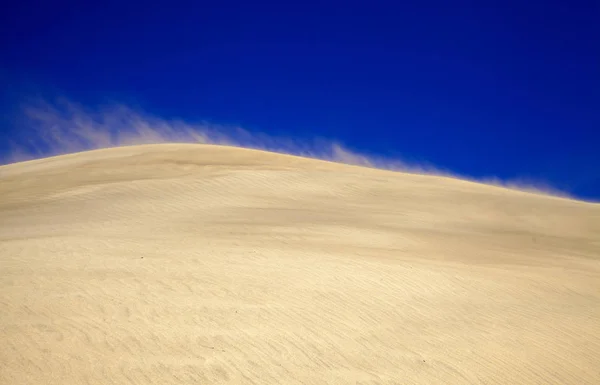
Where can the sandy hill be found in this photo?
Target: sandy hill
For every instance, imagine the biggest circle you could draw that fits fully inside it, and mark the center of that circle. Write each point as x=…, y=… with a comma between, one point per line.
x=196, y=264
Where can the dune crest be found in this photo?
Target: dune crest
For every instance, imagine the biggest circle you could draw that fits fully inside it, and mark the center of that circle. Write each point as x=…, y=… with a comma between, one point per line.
x=203, y=264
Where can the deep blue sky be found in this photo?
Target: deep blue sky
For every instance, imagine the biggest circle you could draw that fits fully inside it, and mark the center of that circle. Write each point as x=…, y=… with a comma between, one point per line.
x=507, y=88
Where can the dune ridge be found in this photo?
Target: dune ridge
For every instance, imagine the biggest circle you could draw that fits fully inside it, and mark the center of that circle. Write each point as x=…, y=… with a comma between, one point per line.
x=50, y=127
x=192, y=263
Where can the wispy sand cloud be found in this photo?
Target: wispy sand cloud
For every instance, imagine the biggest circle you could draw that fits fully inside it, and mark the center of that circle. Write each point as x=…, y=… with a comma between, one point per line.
x=63, y=126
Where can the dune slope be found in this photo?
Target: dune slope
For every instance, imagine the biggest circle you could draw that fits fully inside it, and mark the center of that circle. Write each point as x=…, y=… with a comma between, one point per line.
x=197, y=264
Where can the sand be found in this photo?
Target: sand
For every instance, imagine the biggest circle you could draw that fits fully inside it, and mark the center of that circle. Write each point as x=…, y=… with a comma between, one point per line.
x=199, y=264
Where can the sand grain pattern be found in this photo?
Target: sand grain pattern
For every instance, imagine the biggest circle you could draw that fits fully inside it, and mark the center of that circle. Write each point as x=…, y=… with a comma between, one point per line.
x=199, y=264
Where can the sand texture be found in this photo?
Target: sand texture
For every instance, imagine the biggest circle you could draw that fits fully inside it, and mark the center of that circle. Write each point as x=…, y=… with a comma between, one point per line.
x=199, y=264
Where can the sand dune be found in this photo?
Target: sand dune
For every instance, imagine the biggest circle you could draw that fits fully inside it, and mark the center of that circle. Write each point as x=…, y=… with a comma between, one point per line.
x=198, y=264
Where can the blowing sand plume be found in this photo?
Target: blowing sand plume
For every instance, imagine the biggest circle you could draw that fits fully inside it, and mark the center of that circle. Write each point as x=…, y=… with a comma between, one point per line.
x=200, y=264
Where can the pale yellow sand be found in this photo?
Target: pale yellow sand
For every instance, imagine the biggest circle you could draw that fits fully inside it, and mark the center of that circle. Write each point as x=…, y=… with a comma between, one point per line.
x=193, y=264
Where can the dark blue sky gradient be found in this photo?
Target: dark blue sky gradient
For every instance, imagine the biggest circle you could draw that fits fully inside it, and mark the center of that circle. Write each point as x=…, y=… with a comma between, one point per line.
x=508, y=88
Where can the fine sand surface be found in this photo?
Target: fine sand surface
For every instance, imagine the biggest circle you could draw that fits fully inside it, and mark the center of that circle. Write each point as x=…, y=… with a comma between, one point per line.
x=198, y=264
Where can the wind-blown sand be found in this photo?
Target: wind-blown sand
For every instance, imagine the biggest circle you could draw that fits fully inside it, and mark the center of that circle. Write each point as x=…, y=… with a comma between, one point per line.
x=199, y=264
